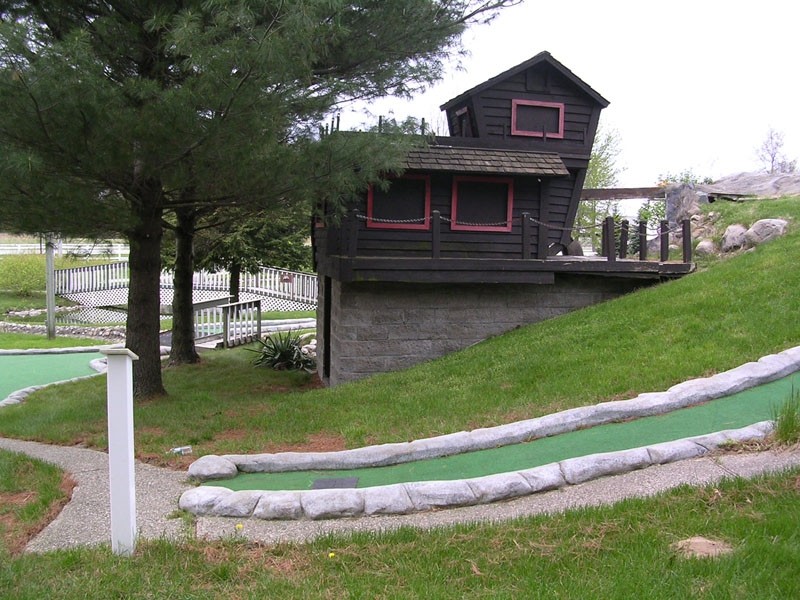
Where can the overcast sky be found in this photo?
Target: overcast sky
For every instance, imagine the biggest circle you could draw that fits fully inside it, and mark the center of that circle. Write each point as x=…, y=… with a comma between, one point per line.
x=692, y=84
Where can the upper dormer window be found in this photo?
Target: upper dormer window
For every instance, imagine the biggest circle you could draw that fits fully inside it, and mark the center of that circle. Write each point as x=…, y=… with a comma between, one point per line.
x=537, y=119
x=463, y=122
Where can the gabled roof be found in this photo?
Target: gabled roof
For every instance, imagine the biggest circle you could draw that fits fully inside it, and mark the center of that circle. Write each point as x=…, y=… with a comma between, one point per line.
x=484, y=160
x=542, y=57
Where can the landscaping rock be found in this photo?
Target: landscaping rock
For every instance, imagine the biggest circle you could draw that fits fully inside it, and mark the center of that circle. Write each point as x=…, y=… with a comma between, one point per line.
x=438, y=494
x=501, y=486
x=212, y=466
x=387, y=500
x=733, y=238
x=705, y=248
x=765, y=230
x=278, y=505
x=544, y=478
x=668, y=452
x=238, y=504
x=332, y=504
x=203, y=500
x=584, y=468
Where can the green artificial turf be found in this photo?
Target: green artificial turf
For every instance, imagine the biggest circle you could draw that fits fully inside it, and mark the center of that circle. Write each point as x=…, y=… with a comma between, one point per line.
x=19, y=371
x=735, y=411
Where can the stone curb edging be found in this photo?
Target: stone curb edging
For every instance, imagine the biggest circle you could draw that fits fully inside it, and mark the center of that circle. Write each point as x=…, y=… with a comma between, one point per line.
x=404, y=498
x=688, y=393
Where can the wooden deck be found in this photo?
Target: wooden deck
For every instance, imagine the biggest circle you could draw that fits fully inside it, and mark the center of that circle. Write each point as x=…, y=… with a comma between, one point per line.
x=469, y=270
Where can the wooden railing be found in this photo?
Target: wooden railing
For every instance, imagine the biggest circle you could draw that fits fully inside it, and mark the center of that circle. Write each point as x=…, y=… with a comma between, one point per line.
x=609, y=240
x=238, y=323
x=534, y=239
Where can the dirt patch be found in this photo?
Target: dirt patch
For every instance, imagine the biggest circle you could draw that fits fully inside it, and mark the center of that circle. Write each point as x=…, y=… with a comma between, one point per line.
x=16, y=535
x=701, y=547
x=315, y=442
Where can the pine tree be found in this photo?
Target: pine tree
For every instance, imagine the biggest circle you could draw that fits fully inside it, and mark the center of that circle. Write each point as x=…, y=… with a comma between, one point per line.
x=118, y=114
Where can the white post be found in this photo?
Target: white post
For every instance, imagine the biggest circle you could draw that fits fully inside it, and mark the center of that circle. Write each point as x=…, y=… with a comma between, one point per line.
x=50, y=287
x=121, y=476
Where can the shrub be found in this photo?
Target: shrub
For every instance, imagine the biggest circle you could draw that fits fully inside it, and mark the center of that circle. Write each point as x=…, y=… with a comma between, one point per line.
x=284, y=352
x=22, y=273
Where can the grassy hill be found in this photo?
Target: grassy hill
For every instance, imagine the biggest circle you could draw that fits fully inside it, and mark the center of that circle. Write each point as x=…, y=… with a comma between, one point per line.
x=729, y=312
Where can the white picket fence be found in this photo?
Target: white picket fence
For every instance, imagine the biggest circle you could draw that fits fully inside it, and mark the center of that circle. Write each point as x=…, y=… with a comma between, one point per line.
x=87, y=250
x=279, y=284
x=238, y=323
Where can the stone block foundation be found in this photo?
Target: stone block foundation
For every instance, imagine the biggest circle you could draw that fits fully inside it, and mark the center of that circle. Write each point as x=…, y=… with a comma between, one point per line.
x=366, y=328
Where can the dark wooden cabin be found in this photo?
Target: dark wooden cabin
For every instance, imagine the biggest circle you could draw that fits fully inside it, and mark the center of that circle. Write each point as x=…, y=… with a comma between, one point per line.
x=490, y=206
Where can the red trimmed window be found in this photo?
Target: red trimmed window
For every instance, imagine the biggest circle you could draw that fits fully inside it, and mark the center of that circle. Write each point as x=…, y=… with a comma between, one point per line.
x=537, y=119
x=482, y=203
x=406, y=204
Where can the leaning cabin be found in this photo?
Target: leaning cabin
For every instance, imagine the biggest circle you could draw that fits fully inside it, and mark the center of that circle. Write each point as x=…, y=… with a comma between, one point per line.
x=475, y=238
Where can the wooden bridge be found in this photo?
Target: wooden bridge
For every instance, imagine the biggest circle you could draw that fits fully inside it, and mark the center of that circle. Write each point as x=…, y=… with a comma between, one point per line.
x=107, y=285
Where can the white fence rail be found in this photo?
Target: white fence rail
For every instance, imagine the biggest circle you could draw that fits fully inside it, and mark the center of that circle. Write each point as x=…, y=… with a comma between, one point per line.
x=92, y=251
x=275, y=283
x=238, y=323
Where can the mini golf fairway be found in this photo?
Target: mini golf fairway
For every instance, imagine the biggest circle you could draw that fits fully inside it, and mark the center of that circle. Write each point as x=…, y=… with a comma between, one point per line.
x=732, y=412
x=18, y=371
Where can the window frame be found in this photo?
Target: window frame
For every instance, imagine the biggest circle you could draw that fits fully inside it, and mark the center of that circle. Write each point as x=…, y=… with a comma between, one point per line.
x=559, y=135
x=425, y=225
x=508, y=181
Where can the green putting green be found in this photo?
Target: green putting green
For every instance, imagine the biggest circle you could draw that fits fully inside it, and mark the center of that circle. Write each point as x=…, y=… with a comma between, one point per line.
x=732, y=412
x=18, y=371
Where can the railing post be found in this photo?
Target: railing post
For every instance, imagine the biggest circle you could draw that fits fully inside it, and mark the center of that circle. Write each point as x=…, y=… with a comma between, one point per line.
x=642, y=240
x=436, y=234
x=623, y=239
x=664, y=239
x=225, y=326
x=541, y=241
x=608, y=240
x=526, y=235
x=687, y=240
x=352, y=237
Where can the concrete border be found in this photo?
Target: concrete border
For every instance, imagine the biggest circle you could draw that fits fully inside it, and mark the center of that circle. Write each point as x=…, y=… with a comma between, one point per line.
x=422, y=496
x=405, y=498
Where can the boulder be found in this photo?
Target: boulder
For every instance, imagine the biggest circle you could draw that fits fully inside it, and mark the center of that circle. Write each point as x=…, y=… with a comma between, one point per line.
x=734, y=238
x=212, y=466
x=705, y=248
x=765, y=230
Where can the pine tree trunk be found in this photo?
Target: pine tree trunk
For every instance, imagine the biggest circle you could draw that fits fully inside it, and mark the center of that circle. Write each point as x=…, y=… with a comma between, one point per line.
x=236, y=272
x=144, y=299
x=183, y=349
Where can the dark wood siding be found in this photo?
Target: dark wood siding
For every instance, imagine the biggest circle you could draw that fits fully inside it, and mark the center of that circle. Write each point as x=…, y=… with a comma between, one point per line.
x=403, y=243
x=492, y=111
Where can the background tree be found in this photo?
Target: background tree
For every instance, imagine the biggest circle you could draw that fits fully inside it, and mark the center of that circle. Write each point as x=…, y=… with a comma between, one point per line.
x=603, y=172
x=770, y=153
x=117, y=114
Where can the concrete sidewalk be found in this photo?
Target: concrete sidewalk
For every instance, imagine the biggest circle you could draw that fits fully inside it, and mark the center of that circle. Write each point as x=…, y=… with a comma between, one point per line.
x=85, y=519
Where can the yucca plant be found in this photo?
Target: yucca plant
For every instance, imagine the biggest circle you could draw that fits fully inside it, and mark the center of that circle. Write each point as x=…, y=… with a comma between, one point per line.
x=284, y=352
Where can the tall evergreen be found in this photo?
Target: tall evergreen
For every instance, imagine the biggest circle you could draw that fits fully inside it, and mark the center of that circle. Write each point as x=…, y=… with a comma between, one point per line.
x=120, y=113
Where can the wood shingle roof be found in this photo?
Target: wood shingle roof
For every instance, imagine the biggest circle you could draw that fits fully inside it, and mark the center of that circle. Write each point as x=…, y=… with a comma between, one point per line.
x=485, y=161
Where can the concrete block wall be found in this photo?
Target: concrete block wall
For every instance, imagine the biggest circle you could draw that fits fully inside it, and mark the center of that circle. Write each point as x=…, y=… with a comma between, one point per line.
x=378, y=327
